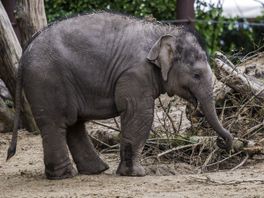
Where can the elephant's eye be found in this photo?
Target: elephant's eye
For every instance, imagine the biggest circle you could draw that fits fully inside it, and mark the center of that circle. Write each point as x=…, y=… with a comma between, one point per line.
x=196, y=76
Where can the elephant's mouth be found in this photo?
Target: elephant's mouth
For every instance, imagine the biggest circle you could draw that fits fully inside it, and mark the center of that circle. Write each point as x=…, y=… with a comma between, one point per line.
x=192, y=99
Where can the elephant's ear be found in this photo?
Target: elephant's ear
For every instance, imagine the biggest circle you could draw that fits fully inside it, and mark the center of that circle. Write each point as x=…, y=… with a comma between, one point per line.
x=161, y=54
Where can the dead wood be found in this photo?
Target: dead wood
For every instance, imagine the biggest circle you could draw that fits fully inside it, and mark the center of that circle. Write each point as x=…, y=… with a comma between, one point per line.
x=236, y=79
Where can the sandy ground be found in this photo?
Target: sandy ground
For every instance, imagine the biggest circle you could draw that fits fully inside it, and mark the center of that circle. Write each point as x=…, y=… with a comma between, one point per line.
x=23, y=176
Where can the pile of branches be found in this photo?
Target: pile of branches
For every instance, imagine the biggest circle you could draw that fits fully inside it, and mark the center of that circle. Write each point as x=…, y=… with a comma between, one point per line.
x=181, y=134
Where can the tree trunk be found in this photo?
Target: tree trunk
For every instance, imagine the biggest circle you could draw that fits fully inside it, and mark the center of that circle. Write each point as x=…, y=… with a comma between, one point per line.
x=31, y=18
x=10, y=6
x=11, y=51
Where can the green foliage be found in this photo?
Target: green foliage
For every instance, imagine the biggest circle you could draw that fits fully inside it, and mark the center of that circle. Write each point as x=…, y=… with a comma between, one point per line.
x=220, y=33
x=205, y=14
x=233, y=35
x=160, y=9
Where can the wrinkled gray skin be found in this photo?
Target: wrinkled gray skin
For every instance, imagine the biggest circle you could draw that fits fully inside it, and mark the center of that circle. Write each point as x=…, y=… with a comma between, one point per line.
x=102, y=65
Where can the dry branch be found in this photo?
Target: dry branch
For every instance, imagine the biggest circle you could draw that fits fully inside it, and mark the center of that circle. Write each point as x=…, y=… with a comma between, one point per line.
x=241, y=163
x=177, y=148
x=236, y=79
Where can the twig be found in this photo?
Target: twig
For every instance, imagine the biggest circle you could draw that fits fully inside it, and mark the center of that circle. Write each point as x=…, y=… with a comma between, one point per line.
x=180, y=123
x=222, y=113
x=100, y=141
x=209, y=158
x=104, y=125
x=241, y=164
x=255, y=132
x=162, y=124
x=208, y=180
x=117, y=124
x=179, y=137
x=168, y=115
x=110, y=148
x=241, y=110
x=251, y=130
x=249, y=55
x=219, y=162
x=177, y=148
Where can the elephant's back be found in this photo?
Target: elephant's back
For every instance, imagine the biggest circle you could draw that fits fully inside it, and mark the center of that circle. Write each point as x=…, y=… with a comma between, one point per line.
x=94, y=48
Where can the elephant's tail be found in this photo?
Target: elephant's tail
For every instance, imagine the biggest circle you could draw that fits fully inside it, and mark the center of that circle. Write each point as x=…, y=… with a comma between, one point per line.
x=12, y=147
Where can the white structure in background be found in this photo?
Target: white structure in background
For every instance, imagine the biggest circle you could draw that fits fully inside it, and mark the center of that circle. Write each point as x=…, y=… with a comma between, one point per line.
x=241, y=8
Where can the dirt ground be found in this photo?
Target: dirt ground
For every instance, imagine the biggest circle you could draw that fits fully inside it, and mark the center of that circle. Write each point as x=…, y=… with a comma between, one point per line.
x=23, y=176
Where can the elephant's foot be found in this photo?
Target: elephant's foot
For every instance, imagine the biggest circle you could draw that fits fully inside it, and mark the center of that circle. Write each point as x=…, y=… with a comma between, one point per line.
x=135, y=170
x=93, y=167
x=61, y=173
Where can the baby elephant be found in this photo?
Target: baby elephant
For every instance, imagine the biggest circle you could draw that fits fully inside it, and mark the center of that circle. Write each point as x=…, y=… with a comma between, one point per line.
x=102, y=65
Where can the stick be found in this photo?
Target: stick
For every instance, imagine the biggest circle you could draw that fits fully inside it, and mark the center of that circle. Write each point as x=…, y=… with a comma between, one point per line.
x=242, y=163
x=251, y=130
x=208, y=159
x=168, y=115
x=215, y=163
x=176, y=149
x=179, y=126
x=100, y=141
x=117, y=124
x=104, y=125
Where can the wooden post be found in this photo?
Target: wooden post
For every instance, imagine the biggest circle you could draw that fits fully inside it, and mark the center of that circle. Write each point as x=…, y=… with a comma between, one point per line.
x=10, y=51
x=31, y=18
x=185, y=12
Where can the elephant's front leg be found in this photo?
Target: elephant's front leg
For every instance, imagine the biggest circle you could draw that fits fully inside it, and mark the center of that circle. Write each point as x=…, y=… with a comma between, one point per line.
x=136, y=122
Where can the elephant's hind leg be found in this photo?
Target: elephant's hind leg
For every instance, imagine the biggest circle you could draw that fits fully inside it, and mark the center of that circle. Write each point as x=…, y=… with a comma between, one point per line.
x=56, y=156
x=83, y=152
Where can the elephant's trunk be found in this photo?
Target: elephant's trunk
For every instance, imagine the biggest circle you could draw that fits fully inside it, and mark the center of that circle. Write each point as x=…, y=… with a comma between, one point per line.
x=208, y=108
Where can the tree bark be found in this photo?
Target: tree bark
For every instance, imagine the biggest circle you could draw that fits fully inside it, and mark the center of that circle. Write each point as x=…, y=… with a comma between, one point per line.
x=31, y=18
x=9, y=6
x=11, y=52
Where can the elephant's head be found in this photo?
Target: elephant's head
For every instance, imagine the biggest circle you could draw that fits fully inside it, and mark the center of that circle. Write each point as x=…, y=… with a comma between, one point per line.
x=185, y=72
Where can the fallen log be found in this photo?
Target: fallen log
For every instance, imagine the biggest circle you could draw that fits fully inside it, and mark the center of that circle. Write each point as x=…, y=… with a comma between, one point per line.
x=235, y=78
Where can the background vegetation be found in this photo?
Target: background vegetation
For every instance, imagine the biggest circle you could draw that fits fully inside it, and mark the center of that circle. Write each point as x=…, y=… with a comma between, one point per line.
x=231, y=35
